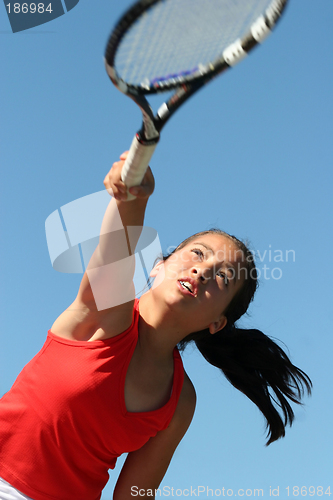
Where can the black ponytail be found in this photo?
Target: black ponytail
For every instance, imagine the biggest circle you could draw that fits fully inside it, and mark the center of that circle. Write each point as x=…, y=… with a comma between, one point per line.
x=255, y=365
x=251, y=361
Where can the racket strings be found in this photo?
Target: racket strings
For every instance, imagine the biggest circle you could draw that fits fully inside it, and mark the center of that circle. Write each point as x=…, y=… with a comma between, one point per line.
x=177, y=36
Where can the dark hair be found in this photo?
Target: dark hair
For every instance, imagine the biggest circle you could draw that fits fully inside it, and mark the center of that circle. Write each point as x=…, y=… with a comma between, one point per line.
x=250, y=360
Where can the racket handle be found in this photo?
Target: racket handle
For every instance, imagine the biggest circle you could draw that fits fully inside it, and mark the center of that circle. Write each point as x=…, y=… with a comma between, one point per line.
x=136, y=164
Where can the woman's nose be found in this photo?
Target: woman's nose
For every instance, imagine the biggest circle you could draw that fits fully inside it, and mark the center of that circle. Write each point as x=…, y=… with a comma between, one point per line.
x=200, y=274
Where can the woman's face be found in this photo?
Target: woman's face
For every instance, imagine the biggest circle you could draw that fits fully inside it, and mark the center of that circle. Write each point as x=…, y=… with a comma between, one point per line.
x=200, y=280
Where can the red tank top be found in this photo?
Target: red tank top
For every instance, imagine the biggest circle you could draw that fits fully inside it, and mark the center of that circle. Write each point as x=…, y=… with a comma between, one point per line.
x=64, y=422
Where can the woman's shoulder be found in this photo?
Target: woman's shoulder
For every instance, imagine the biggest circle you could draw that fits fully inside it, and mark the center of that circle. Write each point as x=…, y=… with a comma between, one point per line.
x=188, y=388
x=187, y=400
x=184, y=412
x=79, y=322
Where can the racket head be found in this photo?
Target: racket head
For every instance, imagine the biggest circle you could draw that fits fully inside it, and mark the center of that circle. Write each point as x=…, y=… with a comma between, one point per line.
x=160, y=45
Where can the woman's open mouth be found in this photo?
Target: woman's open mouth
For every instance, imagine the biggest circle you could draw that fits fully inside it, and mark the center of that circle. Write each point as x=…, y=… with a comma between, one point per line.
x=188, y=286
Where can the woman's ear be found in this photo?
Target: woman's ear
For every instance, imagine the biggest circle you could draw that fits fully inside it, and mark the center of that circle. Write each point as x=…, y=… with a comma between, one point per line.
x=156, y=269
x=218, y=325
x=158, y=273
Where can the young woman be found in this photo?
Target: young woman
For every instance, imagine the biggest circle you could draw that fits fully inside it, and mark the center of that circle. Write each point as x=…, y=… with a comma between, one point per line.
x=110, y=380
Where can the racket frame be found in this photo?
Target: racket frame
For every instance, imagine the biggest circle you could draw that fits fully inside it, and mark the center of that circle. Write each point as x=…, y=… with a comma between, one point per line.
x=185, y=85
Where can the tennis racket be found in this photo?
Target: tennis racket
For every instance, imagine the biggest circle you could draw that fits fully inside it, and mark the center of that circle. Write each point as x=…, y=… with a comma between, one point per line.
x=164, y=45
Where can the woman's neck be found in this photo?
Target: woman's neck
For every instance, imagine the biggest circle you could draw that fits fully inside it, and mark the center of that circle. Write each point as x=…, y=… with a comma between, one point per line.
x=159, y=330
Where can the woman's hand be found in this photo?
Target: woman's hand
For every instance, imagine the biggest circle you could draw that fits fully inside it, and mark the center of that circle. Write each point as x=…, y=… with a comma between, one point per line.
x=117, y=188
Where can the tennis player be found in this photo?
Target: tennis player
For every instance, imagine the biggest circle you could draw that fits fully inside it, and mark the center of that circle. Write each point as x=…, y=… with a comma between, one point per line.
x=111, y=381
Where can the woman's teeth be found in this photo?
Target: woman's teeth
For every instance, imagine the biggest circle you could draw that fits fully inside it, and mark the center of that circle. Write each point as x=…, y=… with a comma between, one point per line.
x=187, y=285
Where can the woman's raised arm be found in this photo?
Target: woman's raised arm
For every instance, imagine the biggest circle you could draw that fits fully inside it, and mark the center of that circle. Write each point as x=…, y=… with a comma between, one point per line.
x=104, y=304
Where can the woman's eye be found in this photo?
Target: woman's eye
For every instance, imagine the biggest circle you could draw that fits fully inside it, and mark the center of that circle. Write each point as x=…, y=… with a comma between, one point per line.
x=197, y=251
x=224, y=277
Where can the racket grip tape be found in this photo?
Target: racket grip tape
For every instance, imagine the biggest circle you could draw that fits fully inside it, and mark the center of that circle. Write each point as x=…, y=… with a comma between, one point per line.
x=136, y=164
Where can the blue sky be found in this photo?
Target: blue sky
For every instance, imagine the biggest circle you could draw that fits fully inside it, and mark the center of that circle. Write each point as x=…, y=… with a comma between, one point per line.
x=251, y=155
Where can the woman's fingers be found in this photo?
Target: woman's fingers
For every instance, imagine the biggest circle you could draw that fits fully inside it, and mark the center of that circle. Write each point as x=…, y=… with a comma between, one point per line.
x=124, y=155
x=118, y=189
x=146, y=187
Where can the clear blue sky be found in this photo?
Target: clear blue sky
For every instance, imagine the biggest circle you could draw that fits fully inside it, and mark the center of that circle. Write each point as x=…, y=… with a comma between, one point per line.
x=253, y=155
